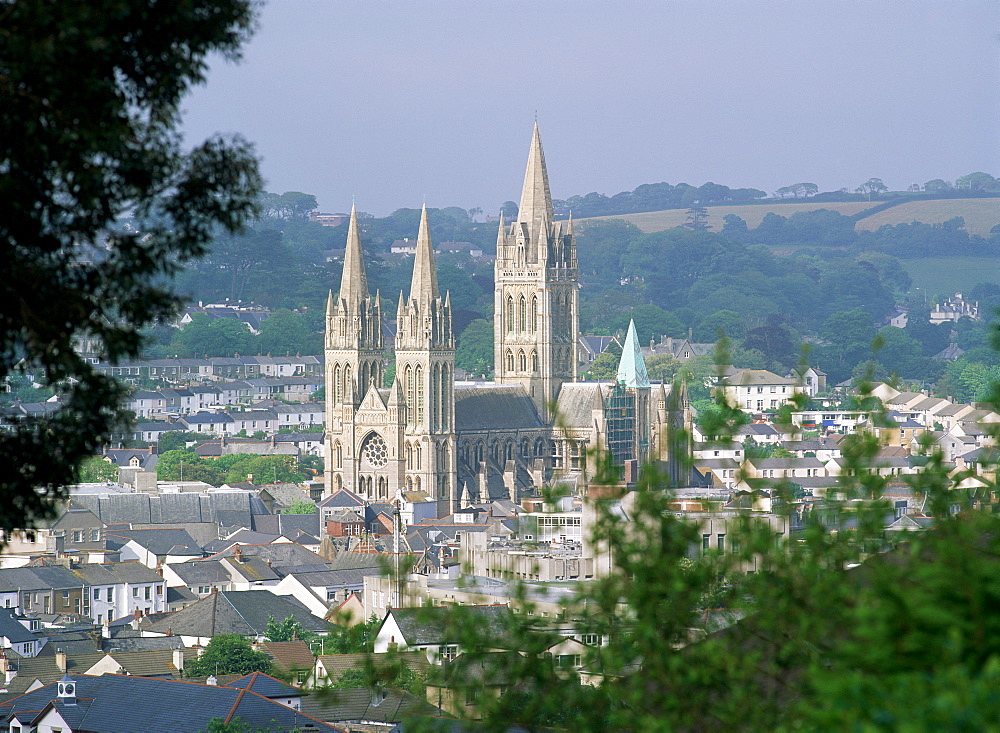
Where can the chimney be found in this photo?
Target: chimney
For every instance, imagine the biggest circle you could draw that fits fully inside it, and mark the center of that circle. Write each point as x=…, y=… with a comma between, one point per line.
x=212, y=680
x=106, y=629
x=61, y=660
x=136, y=615
x=178, y=659
x=237, y=553
x=670, y=343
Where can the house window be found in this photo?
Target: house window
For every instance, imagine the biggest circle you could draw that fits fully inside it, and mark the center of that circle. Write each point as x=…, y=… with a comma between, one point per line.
x=448, y=652
x=97, y=594
x=135, y=592
x=721, y=542
x=111, y=595
x=706, y=540
x=95, y=535
x=592, y=639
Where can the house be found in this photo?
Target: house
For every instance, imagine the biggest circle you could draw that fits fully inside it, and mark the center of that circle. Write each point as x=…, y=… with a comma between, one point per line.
x=329, y=668
x=591, y=347
x=757, y=390
x=434, y=631
x=17, y=634
x=319, y=590
x=200, y=578
x=155, y=547
x=681, y=349
x=242, y=612
x=812, y=380
x=954, y=309
x=270, y=687
x=112, y=703
x=292, y=659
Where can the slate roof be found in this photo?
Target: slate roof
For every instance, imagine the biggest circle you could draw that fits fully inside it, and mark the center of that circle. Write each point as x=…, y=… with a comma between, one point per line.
x=289, y=655
x=358, y=705
x=177, y=508
x=484, y=407
x=201, y=571
x=342, y=498
x=166, y=541
x=12, y=629
x=266, y=685
x=577, y=401
x=421, y=626
x=114, y=703
x=754, y=377
x=336, y=664
x=243, y=612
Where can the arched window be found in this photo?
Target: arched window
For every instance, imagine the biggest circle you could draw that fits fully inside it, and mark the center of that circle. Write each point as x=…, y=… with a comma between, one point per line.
x=348, y=385
x=510, y=360
x=534, y=314
x=522, y=319
x=338, y=482
x=408, y=453
x=418, y=376
x=408, y=382
x=338, y=455
x=534, y=360
x=436, y=397
x=522, y=362
x=510, y=314
x=417, y=463
x=525, y=447
x=445, y=401
x=338, y=386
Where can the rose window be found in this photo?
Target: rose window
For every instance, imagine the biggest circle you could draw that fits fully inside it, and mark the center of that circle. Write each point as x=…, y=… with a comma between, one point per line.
x=374, y=451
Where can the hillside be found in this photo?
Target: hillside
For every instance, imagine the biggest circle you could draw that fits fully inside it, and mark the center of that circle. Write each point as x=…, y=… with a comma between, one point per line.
x=980, y=214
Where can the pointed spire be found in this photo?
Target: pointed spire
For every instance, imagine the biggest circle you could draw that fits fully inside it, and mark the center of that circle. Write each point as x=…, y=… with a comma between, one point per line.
x=424, y=286
x=632, y=367
x=354, y=283
x=569, y=226
x=329, y=304
x=536, y=200
x=501, y=234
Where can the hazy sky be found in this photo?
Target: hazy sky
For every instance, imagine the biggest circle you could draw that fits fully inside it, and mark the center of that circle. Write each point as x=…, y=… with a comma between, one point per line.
x=393, y=103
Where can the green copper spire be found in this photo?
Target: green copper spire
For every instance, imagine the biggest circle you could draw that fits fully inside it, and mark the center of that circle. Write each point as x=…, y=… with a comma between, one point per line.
x=632, y=367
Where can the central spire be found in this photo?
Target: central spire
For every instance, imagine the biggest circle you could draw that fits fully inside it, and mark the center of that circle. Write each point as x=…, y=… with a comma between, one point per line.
x=425, y=285
x=354, y=283
x=536, y=200
x=632, y=367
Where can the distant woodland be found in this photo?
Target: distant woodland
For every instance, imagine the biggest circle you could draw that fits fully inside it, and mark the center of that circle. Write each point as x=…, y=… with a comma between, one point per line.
x=804, y=286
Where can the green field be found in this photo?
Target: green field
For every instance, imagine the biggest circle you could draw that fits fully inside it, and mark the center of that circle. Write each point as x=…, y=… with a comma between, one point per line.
x=950, y=275
x=980, y=214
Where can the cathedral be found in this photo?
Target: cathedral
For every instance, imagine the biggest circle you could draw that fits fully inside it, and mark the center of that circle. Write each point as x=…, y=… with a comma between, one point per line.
x=430, y=438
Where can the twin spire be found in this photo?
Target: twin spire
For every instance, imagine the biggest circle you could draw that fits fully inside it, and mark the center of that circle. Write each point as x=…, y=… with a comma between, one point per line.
x=424, y=286
x=354, y=281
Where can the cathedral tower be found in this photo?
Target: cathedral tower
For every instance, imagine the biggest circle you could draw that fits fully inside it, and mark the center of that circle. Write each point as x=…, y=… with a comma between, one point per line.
x=354, y=352
x=425, y=378
x=536, y=301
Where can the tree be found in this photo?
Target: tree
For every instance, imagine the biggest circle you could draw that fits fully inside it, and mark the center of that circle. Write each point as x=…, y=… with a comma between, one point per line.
x=509, y=210
x=228, y=654
x=937, y=185
x=873, y=186
x=285, y=332
x=474, y=351
x=977, y=181
x=301, y=506
x=287, y=630
x=697, y=219
x=97, y=470
x=100, y=203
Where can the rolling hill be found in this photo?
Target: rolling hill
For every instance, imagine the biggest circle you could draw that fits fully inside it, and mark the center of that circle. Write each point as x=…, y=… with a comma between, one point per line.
x=980, y=214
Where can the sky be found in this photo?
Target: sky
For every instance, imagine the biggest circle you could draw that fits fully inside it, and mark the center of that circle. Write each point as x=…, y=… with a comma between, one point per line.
x=395, y=103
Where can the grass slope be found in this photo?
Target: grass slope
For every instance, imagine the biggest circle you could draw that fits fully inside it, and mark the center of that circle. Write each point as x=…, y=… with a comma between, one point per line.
x=753, y=214
x=980, y=214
